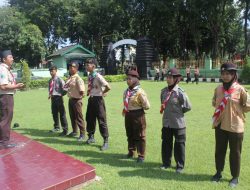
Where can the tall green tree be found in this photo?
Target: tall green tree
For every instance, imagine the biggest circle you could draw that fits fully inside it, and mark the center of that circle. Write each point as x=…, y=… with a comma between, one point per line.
x=24, y=38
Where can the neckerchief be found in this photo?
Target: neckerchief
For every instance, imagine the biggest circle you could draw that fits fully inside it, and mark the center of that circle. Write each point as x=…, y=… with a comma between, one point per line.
x=129, y=93
x=91, y=78
x=51, y=86
x=221, y=107
x=164, y=104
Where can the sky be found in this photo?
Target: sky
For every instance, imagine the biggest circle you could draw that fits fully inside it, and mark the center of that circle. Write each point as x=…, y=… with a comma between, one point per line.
x=3, y=2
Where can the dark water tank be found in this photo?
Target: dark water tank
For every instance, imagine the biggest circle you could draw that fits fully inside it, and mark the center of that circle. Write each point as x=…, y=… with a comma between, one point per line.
x=145, y=55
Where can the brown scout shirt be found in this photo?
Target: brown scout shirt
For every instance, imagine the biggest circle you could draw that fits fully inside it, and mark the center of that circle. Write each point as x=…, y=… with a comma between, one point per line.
x=98, y=83
x=138, y=101
x=232, y=119
x=76, y=85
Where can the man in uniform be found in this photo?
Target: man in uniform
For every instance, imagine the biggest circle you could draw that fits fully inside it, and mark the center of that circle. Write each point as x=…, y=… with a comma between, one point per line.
x=97, y=88
x=57, y=106
x=75, y=87
x=8, y=87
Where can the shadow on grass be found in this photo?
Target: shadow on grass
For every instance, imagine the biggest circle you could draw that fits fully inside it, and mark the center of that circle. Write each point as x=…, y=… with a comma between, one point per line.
x=147, y=169
x=130, y=167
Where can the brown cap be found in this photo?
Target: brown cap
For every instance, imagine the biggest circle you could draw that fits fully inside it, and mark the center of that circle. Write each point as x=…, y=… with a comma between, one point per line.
x=133, y=73
x=228, y=67
x=173, y=72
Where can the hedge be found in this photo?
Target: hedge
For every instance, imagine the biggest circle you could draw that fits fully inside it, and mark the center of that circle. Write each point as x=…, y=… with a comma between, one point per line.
x=43, y=83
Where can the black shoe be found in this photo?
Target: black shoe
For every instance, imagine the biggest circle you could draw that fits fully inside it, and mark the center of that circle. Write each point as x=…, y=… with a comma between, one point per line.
x=164, y=167
x=62, y=134
x=129, y=155
x=72, y=134
x=7, y=145
x=140, y=159
x=81, y=137
x=105, y=146
x=54, y=130
x=233, y=182
x=90, y=140
x=216, y=177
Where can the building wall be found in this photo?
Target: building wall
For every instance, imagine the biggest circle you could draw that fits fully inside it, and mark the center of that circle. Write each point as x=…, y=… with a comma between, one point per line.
x=60, y=62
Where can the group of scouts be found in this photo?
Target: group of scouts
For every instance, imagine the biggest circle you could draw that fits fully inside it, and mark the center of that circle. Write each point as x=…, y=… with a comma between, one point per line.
x=75, y=89
x=230, y=100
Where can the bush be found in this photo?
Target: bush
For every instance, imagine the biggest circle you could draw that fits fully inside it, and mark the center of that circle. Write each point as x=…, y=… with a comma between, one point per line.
x=25, y=74
x=246, y=72
x=43, y=83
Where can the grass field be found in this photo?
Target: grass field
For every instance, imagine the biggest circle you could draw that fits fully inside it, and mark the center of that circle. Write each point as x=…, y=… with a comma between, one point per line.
x=32, y=112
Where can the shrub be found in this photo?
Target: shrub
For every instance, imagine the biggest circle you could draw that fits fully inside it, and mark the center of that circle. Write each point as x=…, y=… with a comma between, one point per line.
x=25, y=74
x=246, y=72
x=43, y=83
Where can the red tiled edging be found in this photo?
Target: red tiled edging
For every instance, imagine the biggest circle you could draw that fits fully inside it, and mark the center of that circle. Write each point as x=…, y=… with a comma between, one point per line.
x=34, y=166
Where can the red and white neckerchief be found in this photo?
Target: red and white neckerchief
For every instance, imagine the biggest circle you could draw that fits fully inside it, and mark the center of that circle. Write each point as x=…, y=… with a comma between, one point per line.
x=129, y=93
x=91, y=78
x=164, y=104
x=51, y=86
x=221, y=107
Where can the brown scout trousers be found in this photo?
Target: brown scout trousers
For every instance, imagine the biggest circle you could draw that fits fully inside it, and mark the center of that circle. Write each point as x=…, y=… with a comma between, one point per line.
x=76, y=117
x=222, y=138
x=6, y=115
x=135, y=124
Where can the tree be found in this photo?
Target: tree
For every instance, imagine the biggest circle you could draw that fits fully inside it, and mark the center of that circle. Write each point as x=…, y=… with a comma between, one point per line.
x=18, y=34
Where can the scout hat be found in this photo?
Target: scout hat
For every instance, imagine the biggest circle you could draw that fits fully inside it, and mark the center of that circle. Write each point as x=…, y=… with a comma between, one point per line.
x=228, y=67
x=173, y=72
x=133, y=73
x=5, y=53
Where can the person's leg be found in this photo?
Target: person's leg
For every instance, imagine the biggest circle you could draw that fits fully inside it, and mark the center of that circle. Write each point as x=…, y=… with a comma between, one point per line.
x=6, y=115
x=129, y=133
x=221, y=141
x=167, y=146
x=235, y=144
x=79, y=118
x=54, y=110
x=63, y=118
x=91, y=120
x=72, y=117
x=179, y=148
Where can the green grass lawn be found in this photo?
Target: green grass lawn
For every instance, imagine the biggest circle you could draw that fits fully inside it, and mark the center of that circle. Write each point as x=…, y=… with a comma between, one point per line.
x=32, y=112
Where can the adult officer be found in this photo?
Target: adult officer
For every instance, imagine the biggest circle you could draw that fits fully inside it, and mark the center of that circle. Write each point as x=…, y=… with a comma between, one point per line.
x=76, y=89
x=8, y=87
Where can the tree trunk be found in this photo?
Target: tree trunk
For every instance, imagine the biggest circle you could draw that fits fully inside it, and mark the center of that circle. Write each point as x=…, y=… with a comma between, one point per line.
x=245, y=26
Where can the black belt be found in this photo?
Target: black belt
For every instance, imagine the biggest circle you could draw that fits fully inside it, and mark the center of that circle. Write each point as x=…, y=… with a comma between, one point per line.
x=6, y=94
x=139, y=110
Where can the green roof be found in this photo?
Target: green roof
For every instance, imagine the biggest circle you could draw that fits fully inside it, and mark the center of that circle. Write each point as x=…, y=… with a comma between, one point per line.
x=68, y=49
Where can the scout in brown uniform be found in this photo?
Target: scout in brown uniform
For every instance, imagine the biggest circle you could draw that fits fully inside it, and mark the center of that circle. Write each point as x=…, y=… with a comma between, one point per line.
x=8, y=87
x=75, y=87
x=231, y=101
x=97, y=88
x=135, y=102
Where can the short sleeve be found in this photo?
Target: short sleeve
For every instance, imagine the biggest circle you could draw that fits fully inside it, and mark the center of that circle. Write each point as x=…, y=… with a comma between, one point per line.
x=3, y=77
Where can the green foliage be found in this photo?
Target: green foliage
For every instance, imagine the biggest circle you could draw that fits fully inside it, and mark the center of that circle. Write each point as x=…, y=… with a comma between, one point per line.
x=43, y=83
x=22, y=37
x=40, y=83
x=115, y=78
x=26, y=74
x=245, y=75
